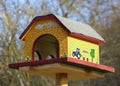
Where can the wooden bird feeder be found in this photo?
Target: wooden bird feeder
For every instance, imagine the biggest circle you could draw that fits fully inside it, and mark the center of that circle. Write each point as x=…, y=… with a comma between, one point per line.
x=60, y=48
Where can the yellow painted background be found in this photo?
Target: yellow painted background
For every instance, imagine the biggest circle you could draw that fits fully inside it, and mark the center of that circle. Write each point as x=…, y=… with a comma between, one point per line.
x=74, y=43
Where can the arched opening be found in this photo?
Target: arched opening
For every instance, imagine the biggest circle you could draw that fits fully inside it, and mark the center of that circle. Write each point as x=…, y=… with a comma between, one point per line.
x=46, y=47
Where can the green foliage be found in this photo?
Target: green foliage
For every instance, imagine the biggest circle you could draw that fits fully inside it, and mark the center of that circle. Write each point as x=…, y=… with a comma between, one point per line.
x=92, y=53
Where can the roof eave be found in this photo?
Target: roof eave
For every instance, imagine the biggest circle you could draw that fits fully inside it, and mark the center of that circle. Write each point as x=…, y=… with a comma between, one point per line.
x=87, y=38
x=22, y=36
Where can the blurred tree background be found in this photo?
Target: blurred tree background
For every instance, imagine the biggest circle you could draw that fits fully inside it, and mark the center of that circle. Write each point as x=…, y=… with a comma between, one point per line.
x=15, y=15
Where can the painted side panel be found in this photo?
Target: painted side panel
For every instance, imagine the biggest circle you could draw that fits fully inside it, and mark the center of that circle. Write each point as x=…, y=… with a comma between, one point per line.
x=39, y=28
x=88, y=51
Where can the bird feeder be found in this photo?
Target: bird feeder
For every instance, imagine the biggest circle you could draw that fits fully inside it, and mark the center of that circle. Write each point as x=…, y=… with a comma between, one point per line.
x=61, y=48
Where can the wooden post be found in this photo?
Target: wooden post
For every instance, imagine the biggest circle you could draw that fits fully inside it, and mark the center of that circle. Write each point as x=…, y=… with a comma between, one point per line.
x=61, y=79
x=28, y=79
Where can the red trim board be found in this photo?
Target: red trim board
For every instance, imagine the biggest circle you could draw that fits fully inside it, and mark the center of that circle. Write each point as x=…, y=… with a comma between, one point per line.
x=87, y=38
x=69, y=61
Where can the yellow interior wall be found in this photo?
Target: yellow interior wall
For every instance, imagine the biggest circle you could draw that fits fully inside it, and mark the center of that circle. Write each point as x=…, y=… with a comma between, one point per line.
x=57, y=31
x=85, y=48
